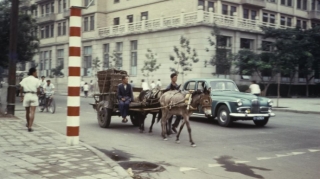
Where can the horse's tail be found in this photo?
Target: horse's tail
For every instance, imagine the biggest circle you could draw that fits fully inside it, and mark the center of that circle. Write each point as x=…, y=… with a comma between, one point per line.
x=159, y=116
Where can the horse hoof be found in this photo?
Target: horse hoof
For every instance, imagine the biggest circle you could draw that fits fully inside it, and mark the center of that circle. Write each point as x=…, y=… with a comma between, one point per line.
x=193, y=145
x=178, y=141
x=165, y=139
x=150, y=131
x=141, y=131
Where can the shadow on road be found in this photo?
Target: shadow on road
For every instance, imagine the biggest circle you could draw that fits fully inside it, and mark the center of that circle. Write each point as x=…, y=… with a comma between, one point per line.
x=231, y=166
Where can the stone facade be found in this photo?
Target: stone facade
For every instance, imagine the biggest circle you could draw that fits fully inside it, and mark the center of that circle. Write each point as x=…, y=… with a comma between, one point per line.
x=158, y=25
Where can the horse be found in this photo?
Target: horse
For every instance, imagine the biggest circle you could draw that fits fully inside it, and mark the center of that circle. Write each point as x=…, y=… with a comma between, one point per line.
x=174, y=103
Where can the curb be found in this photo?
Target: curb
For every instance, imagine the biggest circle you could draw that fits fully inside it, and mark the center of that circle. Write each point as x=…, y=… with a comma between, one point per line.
x=114, y=165
x=296, y=111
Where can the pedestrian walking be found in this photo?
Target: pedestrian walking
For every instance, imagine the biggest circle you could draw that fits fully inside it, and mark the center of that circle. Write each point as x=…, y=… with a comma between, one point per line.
x=82, y=84
x=153, y=85
x=29, y=89
x=91, y=86
x=131, y=83
x=144, y=85
x=125, y=97
x=86, y=89
x=159, y=84
x=254, y=88
x=174, y=86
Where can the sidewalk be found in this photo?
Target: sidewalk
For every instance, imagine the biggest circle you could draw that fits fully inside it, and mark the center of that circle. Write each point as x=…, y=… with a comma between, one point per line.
x=44, y=154
x=299, y=105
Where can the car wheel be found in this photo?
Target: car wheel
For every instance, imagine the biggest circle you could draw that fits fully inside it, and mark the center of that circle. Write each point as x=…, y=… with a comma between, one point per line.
x=224, y=118
x=262, y=122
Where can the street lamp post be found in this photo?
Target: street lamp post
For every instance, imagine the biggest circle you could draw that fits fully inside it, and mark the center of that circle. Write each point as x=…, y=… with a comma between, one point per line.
x=12, y=56
x=74, y=75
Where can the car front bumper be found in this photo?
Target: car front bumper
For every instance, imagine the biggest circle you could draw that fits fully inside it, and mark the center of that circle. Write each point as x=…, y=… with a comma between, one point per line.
x=251, y=115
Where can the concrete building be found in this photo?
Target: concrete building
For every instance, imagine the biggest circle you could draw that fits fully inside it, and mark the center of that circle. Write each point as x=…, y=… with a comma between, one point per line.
x=127, y=28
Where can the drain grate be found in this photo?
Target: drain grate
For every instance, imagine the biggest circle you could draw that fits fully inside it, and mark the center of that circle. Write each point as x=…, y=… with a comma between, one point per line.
x=141, y=166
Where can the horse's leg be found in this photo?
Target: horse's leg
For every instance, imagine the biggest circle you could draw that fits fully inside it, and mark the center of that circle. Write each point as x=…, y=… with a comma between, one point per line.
x=178, y=135
x=163, y=124
x=141, y=122
x=169, y=125
x=189, y=130
x=152, y=122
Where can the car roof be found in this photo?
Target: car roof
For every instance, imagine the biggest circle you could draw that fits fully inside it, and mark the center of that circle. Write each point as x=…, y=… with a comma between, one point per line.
x=209, y=79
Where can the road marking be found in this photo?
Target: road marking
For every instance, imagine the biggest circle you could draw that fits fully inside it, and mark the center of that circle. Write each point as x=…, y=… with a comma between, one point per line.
x=214, y=165
x=297, y=153
x=313, y=150
x=264, y=158
x=283, y=155
x=182, y=169
x=241, y=161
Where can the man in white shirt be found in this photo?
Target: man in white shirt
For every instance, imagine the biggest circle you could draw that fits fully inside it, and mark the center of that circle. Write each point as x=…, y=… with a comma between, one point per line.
x=42, y=81
x=152, y=85
x=255, y=88
x=49, y=92
x=159, y=85
x=29, y=89
x=144, y=85
x=82, y=84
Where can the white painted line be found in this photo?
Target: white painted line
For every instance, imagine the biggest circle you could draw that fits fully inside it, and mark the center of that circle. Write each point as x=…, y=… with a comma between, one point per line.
x=214, y=165
x=297, y=153
x=182, y=169
x=241, y=161
x=313, y=150
x=283, y=155
x=264, y=158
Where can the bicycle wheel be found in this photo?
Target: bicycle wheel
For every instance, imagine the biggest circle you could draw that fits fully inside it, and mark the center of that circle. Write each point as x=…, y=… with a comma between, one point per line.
x=41, y=105
x=52, y=107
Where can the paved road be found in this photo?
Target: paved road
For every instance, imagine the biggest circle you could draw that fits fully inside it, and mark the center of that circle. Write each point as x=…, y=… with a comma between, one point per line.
x=288, y=147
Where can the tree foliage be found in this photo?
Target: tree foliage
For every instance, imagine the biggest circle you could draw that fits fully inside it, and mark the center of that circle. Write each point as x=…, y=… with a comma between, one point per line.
x=184, y=57
x=150, y=65
x=116, y=60
x=27, y=44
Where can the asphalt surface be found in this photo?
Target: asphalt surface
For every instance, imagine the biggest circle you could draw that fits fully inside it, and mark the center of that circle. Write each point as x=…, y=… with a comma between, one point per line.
x=288, y=147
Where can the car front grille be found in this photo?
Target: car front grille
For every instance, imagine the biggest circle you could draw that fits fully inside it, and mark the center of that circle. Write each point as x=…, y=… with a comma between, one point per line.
x=255, y=107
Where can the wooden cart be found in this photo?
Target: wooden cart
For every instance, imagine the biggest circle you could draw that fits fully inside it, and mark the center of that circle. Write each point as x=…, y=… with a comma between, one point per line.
x=106, y=102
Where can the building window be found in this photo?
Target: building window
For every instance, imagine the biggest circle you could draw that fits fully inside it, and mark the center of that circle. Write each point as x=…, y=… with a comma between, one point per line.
x=119, y=48
x=116, y=21
x=283, y=20
x=64, y=4
x=42, y=32
x=59, y=29
x=91, y=22
x=283, y=2
x=265, y=17
x=223, y=41
x=253, y=15
x=246, y=43
x=116, y=1
x=52, y=7
x=224, y=9
x=133, y=57
x=246, y=13
x=210, y=5
x=59, y=6
x=87, y=61
x=130, y=18
x=233, y=10
x=64, y=28
x=106, y=62
x=304, y=24
x=52, y=30
x=286, y=2
x=47, y=8
x=289, y=2
x=272, y=18
x=47, y=31
x=86, y=2
x=60, y=58
x=299, y=4
x=266, y=46
x=201, y=3
x=299, y=23
x=144, y=14
x=304, y=4
x=42, y=10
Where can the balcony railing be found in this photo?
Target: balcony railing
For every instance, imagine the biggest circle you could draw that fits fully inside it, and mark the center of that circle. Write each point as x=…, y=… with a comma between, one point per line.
x=187, y=19
x=66, y=13
x=46, y=18
x=256, y=3
x=39, y=1
x=314, y=14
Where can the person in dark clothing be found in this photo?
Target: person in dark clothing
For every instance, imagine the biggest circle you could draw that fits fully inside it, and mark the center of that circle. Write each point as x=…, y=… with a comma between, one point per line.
x=174, y=86
x=125, y=96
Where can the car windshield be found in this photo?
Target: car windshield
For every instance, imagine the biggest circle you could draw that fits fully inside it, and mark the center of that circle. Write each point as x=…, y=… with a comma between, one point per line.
x=223, y=86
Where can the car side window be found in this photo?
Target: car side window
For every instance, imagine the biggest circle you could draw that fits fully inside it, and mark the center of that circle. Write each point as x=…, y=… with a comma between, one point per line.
x=191, y=85
x=201, y=85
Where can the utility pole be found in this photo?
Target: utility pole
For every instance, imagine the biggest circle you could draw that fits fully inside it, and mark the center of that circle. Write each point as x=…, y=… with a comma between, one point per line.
x=13, y=56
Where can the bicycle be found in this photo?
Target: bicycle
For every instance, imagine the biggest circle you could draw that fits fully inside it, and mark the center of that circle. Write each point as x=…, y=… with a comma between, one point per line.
x=43, y=100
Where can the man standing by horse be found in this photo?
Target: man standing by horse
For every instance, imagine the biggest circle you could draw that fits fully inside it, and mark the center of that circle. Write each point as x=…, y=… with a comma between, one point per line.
x=174, y=86
x=125, y=96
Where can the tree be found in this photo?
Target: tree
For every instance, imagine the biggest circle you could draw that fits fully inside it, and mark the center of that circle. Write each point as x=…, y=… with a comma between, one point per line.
x=57, y=72
x=150, y=65
x=184, y=55
x=222, y=57
x=116, y=60
x=28, y=42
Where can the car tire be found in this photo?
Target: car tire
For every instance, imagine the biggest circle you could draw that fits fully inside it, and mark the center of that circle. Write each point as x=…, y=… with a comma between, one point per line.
x=261, y=123
x=223, y=116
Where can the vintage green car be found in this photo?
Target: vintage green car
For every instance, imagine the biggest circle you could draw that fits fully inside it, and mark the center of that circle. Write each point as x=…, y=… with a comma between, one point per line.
x=229, y=104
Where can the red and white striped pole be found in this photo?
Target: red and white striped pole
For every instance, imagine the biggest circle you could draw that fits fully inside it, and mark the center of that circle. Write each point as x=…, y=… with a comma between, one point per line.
x=74, y=66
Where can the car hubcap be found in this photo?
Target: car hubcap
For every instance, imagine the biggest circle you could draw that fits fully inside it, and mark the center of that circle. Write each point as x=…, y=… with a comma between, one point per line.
x=223, y=116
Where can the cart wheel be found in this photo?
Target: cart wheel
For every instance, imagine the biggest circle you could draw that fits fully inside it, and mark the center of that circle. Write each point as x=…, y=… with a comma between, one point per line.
x=104, y=117
x=135, y=118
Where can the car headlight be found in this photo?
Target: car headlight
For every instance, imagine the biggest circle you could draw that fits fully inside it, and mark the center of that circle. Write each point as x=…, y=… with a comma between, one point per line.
x=239, y=102
x=270, y=102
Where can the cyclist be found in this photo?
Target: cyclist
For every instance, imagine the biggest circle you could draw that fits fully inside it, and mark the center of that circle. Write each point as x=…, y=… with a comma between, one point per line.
x=49, y=91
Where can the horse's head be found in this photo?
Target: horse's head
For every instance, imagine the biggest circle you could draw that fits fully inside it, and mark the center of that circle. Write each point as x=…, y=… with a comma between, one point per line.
x=203, y=99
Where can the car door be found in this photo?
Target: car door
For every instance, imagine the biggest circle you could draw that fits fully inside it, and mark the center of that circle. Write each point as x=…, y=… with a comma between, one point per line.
x=190, y=85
